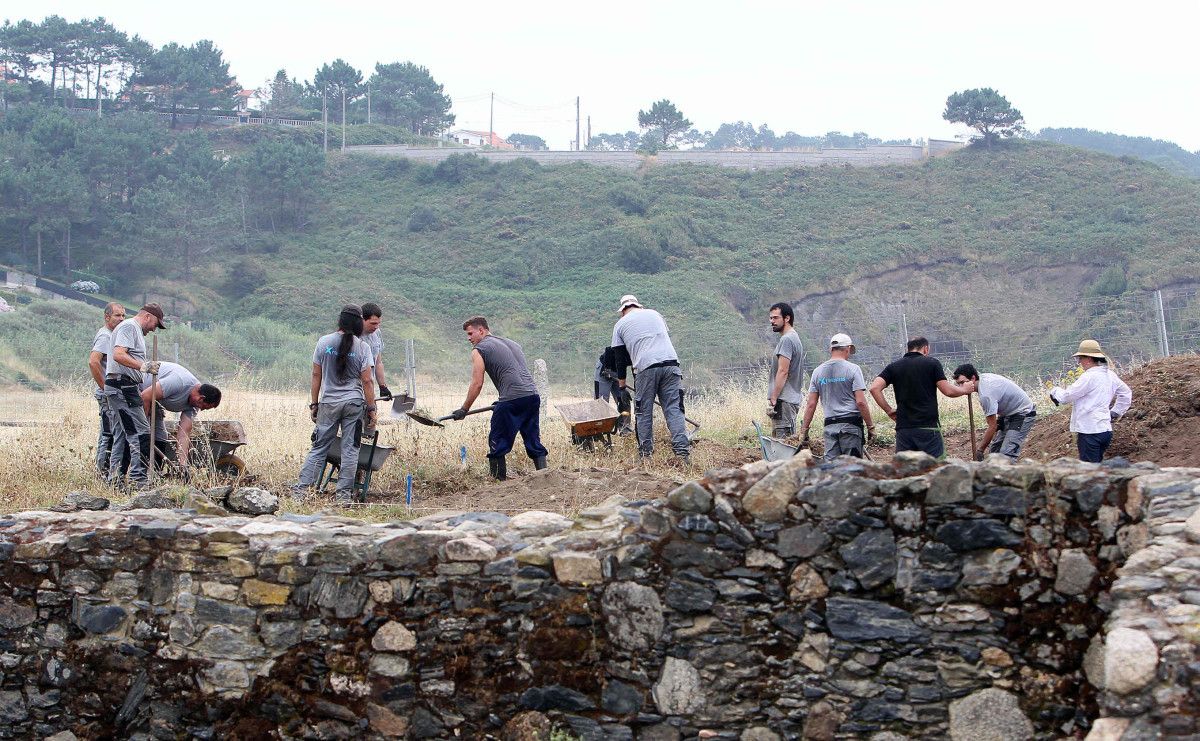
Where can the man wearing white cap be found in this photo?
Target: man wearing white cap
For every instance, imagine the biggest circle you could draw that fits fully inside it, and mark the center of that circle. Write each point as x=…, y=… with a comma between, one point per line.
x=841, y=388
x=643, y=333
x=1093, y=395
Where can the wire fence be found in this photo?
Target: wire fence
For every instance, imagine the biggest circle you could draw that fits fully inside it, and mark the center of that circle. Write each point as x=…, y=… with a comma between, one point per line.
x=1027, y=340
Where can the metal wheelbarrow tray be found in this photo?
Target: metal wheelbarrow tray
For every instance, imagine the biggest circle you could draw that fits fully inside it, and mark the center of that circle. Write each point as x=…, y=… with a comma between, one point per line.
x=589, y=421
x=371, y=457
x=223, y=437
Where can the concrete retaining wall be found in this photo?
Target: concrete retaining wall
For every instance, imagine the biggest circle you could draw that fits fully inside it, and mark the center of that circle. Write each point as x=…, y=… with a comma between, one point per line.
x=867, y=157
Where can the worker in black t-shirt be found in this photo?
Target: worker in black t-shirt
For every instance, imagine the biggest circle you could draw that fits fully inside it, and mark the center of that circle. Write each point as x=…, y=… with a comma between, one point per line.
x=916, y=379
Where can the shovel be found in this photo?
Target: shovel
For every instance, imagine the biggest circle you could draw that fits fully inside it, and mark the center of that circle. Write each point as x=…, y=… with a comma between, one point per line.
x=422, y=419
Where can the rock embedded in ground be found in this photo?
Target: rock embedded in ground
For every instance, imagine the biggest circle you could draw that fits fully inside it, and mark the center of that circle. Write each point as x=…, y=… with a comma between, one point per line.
x=251, y=500
x=691, y=497
x=155, y=499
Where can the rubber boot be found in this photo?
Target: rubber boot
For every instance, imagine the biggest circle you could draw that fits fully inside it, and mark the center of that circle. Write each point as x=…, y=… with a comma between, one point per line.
x=498, y=468
x=539, y=463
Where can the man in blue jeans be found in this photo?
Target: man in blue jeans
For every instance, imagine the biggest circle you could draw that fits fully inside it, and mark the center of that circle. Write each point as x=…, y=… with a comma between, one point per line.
x=1099, y=399
x=519, y=406
x=643, y=333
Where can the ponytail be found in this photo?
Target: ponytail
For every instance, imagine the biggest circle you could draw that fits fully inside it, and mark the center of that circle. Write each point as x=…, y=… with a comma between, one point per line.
x=350, y=323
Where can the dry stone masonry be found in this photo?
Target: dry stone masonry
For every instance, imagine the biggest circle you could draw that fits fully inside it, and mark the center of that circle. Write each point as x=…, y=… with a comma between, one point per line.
x=906, y=599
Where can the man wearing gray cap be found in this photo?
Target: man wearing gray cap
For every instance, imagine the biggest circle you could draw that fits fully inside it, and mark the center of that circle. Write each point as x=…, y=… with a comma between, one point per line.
x=126, y=364
x=841, y=388
x=643, y=333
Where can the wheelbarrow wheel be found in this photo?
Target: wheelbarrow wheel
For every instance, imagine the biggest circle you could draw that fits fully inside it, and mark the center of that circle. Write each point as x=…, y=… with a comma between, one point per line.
x=230, y=466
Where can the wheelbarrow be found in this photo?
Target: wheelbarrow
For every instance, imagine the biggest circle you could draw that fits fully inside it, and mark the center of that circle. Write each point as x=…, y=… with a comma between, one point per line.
x=589, y=422
x=221, y=438
x=773, y=448
x=371, y=457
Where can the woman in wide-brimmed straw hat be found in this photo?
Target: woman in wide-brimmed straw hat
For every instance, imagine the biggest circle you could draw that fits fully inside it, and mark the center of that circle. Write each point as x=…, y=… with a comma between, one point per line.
x=1099, y=398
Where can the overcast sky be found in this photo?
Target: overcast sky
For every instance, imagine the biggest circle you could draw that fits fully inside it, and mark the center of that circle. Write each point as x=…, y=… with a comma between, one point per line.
x=882, y=67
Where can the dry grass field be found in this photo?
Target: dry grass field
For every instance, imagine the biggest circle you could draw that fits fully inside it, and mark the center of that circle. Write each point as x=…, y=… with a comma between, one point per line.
x=49, y=441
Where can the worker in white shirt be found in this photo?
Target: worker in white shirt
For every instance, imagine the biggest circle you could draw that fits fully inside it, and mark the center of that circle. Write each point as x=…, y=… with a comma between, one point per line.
x=1099, y=398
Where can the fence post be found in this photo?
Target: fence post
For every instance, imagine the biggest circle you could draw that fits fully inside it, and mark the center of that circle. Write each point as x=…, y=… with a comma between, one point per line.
x=1163, y=339
x=903, y=327
x=541, y=379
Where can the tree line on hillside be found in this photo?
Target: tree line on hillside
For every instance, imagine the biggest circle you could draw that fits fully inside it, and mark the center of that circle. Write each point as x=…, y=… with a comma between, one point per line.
x=1168, y=155
x=92, y=64
x=124, y=195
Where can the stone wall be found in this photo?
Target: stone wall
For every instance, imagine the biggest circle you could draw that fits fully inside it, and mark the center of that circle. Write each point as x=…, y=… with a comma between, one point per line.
x=855, y=600
x=874, y=156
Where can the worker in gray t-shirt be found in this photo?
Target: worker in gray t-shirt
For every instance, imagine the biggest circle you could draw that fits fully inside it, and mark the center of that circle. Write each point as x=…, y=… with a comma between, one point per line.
x=373, y=336
x=343, y=400
x=1009, y=411
x=841, y=389
x=518, y=410
x=785, y=387
x=114, y=314
x=126, y=366
x=643, y=333
x=178, y=390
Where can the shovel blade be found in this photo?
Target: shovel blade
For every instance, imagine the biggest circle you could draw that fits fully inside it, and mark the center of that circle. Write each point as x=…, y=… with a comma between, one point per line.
x=422, y=419
x=403, y=404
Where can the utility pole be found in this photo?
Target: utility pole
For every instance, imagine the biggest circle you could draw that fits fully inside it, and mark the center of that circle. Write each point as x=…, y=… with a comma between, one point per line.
x=368, y=102
x=588, y=141
x=325, y=118
x=491, y=120
x=576, y=123
x=343, y=118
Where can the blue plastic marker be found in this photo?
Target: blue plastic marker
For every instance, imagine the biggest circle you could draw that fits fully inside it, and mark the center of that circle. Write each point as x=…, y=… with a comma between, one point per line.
x=462, y=456
x=408, y=491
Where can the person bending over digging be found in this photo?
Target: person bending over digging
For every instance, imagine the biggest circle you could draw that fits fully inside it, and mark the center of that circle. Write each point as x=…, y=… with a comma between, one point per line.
x=178, y=390
x=343, y=399
x=1008, y=409
x=519, y=405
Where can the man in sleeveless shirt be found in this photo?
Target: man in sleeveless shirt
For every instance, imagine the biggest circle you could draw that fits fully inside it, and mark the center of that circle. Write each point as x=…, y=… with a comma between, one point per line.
x=519, y=406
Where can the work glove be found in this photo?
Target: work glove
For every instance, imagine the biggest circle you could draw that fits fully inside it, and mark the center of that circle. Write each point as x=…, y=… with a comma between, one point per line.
x=773, y=411
x=1113, y=416
x=870, y=434
x=151, y=367
x=312, y=411
x=384, y=393
x=459, y=414
x=1053, y=399
x=979, y=454
x=372, y=416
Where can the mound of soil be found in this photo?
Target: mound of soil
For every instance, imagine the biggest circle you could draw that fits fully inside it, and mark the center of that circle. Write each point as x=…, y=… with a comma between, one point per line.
x=1162, y=425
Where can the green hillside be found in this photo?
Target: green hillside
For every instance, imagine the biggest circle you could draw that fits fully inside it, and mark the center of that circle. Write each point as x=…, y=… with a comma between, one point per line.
x=1165, y=154
x=260, y=244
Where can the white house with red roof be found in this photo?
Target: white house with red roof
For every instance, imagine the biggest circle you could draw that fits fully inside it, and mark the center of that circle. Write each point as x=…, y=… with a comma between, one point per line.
x=471, y=138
